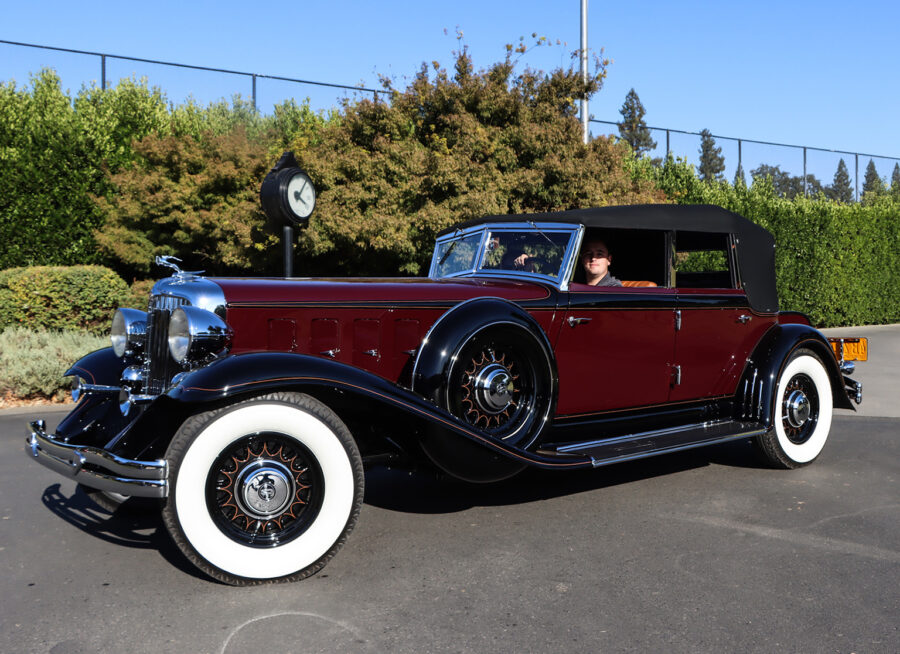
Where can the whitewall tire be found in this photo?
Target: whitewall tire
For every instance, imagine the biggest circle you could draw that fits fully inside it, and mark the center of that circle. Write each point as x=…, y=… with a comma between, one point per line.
x=263, y=490
x=803, y=412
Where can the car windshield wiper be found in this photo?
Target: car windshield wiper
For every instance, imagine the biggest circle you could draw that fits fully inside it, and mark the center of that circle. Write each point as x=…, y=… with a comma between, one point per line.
x=447, y=253
x=450, y=249
x=538, y=230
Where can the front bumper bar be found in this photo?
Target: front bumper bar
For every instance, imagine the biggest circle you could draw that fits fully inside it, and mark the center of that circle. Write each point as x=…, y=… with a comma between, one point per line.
x=97, y=468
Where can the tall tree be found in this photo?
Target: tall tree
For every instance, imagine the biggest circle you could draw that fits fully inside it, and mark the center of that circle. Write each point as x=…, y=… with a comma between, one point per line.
x=872, y=182
x=633, y=129
x=786, y=185
x=780, y=180
x=739, y=178
x=895, y=181
x=840, y=189
x=712, y=163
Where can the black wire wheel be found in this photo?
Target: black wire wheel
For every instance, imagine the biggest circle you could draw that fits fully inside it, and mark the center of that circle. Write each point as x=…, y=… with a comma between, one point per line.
x=803, y=410
x=501, y=382
x=263, y=490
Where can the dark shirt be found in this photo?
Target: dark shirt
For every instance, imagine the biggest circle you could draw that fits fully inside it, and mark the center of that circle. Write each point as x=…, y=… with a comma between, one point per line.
x=608, y=280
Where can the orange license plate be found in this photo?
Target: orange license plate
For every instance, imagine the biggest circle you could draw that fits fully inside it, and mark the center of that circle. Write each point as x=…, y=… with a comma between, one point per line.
x=850, y=349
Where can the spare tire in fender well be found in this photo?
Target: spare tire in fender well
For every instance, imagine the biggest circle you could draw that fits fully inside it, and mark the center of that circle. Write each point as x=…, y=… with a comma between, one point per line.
x=508, y=346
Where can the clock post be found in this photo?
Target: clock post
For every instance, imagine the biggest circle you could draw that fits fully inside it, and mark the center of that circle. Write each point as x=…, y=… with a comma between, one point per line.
x=288, y=196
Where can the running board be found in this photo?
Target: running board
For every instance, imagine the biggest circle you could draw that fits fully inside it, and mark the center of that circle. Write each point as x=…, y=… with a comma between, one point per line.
x=638, y=446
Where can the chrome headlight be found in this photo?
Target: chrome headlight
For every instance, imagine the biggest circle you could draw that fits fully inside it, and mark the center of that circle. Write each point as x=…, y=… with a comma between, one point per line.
x=196, y=334
x=129, y=329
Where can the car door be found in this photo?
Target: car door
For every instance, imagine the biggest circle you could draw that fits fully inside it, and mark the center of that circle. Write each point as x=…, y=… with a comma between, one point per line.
x=615, y=348
x=715, y=326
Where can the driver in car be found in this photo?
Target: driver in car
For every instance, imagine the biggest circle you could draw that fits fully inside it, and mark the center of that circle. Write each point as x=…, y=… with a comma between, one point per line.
x=596, y=259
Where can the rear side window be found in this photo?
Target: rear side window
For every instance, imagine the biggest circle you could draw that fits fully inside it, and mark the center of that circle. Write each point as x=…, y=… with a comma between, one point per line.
x=703, y=260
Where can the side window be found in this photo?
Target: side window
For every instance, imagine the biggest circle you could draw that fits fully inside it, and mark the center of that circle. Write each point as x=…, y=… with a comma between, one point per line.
x=703, y=260
x=638, y=256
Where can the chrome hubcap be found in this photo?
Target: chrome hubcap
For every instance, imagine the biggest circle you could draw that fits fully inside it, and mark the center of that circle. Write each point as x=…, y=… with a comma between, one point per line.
x=493, y=389
x=265, y=489
x=797, y=408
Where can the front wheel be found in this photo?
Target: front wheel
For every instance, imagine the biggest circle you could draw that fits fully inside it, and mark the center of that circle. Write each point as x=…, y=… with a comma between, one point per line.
x=803, y=408
x=263, y=490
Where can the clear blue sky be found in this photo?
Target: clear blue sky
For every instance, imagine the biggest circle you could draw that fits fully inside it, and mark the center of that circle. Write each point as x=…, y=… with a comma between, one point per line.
x=821, y=74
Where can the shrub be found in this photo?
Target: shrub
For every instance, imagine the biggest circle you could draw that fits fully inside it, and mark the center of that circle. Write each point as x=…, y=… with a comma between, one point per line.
x=196, y=198
x=60, y=298
x=54, y=151
x=139, y=294
x=455, y=145
x=32, y=362
x=59, y=151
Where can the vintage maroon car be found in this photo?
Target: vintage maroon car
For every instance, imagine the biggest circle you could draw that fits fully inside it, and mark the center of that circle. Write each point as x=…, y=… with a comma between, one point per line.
x=251, y=407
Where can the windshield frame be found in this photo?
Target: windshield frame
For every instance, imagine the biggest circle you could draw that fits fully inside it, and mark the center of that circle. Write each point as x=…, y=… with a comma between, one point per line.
x=567, y=264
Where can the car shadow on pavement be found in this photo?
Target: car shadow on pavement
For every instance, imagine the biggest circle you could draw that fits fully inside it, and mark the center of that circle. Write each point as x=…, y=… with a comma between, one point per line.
x=428, y=491
x=137, y=524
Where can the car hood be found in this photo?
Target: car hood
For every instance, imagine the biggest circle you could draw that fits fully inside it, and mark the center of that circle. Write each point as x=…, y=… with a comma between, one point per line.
x=281, y=291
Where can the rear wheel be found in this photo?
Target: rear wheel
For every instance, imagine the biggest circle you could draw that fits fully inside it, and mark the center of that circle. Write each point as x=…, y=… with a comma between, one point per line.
x=802, y=416
x=264, y=490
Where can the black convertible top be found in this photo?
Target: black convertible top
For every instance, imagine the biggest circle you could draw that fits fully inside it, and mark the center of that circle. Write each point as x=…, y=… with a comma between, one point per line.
x=755, y=245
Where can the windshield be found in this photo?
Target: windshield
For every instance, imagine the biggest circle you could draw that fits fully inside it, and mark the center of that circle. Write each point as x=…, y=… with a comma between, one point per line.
x=528, y=251
x=457, y=255
x=505, y=249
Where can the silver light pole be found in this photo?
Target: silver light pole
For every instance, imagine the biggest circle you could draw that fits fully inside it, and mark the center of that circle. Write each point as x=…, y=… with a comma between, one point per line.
x=584, y=71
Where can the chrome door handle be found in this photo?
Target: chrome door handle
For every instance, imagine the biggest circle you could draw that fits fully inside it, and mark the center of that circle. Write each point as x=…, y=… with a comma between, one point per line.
x=576, y=321
x=743, y=319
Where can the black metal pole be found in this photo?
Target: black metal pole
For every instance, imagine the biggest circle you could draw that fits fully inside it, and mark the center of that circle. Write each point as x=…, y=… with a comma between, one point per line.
x=287, y=239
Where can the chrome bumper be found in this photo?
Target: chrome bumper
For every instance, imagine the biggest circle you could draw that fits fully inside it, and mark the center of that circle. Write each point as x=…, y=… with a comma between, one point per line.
x=105, y=471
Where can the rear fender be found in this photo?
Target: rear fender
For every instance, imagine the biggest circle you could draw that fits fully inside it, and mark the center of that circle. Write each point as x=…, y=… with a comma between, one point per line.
x=756, y=391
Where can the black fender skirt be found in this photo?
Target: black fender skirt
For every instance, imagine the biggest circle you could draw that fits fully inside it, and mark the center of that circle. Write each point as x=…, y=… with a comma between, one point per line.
x=756, y=391
x=244, y=375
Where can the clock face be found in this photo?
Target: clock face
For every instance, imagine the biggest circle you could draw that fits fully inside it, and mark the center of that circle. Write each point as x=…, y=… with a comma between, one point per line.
x=301, y=195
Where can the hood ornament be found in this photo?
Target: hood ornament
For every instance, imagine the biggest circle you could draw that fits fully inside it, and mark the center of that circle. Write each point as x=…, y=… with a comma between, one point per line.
x=168, y=261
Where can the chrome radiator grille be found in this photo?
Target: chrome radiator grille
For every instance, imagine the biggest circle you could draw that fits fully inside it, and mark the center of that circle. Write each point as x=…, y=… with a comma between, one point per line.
x=159, y=367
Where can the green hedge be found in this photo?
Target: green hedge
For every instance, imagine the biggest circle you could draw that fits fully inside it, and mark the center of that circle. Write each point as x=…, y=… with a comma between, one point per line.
x=835, y=262
x=32, y=363
x=75, y=298
x=58, y=152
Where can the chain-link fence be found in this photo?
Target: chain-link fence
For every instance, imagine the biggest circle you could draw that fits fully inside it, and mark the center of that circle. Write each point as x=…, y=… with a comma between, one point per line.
x=815, y=167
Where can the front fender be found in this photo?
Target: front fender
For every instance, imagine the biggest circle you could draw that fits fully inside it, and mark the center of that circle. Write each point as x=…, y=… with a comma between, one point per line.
x=101, y=367
x=244, y=375
x=756, y=391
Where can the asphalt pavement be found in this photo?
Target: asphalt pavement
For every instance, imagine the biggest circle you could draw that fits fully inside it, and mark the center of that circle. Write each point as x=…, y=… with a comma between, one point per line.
x=701, y=551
